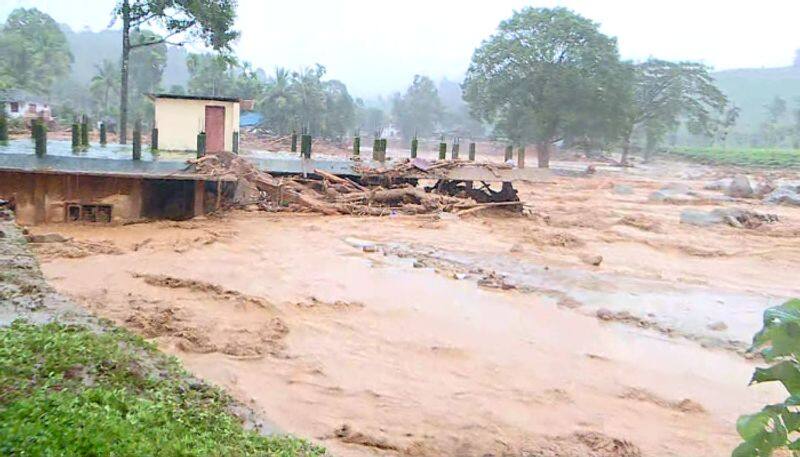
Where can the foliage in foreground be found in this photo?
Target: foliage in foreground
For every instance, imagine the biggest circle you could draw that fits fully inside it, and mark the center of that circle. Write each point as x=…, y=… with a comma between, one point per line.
x=776, y=426
x=741, y=156
x=67, y=390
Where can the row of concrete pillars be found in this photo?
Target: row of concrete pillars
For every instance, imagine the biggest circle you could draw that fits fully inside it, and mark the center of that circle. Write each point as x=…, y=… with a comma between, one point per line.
x=379, y=149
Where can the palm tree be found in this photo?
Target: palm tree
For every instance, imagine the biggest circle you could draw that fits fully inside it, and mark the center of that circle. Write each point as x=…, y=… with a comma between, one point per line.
x=279, y=103
x=105, y=83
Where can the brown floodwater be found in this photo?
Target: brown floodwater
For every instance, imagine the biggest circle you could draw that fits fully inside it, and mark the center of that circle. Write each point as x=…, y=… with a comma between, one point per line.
x=401, y=352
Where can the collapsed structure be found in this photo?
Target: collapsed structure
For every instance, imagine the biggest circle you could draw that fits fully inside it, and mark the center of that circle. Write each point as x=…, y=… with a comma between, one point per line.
x=63, y=182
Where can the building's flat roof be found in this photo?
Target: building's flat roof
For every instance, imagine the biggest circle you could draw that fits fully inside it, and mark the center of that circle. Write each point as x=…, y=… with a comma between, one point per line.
x=116, y=160
x=195, y=97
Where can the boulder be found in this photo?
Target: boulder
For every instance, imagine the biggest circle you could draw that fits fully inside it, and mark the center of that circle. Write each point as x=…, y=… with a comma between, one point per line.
x=594, y=260
x=719, y=184
x=672, y=193
x=740, y=187
x=734, y=217
x=784, y=195
x=700, y=218
x=763, y=188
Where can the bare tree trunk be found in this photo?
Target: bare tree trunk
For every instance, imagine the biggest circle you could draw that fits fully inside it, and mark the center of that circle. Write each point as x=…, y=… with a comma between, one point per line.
x=123, y=88
x=543, y=154
x=626, y=149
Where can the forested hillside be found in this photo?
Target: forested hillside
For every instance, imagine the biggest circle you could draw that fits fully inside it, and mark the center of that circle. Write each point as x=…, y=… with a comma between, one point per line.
x=89, y=49
x=751, y=89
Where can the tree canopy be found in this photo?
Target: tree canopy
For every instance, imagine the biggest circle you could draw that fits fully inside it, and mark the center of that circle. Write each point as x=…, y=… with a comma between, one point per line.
x=419, y=110
x=544, y=75
x=300, y=100
x=33, y=51
x=666, y=93
x=207, y=21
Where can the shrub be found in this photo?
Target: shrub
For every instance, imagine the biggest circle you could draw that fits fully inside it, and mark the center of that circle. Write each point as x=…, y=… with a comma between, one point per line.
x=775, y=426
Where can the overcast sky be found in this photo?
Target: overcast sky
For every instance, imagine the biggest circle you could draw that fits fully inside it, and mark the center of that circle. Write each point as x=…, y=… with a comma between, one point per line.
x=377, y=46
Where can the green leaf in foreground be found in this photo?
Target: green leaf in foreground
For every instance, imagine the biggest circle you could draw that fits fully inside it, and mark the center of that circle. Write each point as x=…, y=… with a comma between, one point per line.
x=779, y=343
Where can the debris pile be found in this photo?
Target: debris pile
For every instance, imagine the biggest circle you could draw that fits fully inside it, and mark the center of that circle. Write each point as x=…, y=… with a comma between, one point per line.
x=332, y=195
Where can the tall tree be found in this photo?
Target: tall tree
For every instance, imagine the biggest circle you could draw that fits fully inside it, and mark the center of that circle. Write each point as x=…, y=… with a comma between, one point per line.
x=543, y=75
x=33, y=51
x=278, y=102
x=210, y=21
x=146, y=69
x=419, y=110
x=665, y=93
x=339, y=110
x=210, y=74
x=104, y=85
x=310, y=97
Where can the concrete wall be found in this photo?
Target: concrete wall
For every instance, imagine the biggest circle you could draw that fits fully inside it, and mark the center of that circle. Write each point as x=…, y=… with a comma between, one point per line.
x=41, y=198
x=179, y=121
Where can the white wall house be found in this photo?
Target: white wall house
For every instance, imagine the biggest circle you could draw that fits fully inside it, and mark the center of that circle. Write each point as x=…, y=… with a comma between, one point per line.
x=21, y=104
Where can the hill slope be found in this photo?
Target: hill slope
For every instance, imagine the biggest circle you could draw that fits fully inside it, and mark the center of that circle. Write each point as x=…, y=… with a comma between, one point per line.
x=752, y=88
x=90, y=48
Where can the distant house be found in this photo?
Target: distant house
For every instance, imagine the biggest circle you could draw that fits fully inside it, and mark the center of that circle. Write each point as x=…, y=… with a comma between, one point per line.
x=23, y=105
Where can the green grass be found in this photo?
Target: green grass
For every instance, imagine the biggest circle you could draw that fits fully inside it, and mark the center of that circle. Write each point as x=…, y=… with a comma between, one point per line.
x=67, y=390
x=741, y=156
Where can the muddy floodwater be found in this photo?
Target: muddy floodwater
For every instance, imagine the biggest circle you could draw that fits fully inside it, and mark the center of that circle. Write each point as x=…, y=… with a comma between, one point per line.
x=596, y=325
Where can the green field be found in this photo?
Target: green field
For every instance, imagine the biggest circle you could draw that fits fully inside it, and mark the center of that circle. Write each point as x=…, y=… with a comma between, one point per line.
x=779, y=158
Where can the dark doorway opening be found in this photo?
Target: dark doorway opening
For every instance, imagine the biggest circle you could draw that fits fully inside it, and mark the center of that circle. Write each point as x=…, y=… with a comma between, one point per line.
x=215, y=128
x=167, y=199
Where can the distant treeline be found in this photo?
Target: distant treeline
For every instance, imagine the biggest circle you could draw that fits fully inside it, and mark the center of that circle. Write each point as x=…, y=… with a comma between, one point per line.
x=547, y=77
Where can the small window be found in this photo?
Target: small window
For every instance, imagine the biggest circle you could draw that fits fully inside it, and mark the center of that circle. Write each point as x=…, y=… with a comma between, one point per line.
x=32, y=107
x=15, y=107
x=88, y=213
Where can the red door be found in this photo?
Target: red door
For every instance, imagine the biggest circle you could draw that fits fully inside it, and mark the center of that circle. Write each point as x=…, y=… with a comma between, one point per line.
x=215, y=128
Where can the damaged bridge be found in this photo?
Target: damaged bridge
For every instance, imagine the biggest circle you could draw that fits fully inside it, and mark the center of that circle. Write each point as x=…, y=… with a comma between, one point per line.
x=103, y=184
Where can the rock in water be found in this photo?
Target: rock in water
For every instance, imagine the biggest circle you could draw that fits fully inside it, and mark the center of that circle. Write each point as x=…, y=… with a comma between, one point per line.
x=720, y=184
x=786, y=195
x=740, y=187
x=594, y=260
x=700, y=218
x=672, y=193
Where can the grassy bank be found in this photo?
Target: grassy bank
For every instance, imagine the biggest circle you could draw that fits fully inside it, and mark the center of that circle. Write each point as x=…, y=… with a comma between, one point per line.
x=741, y=156
x=68, y=390
x=79, y=386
